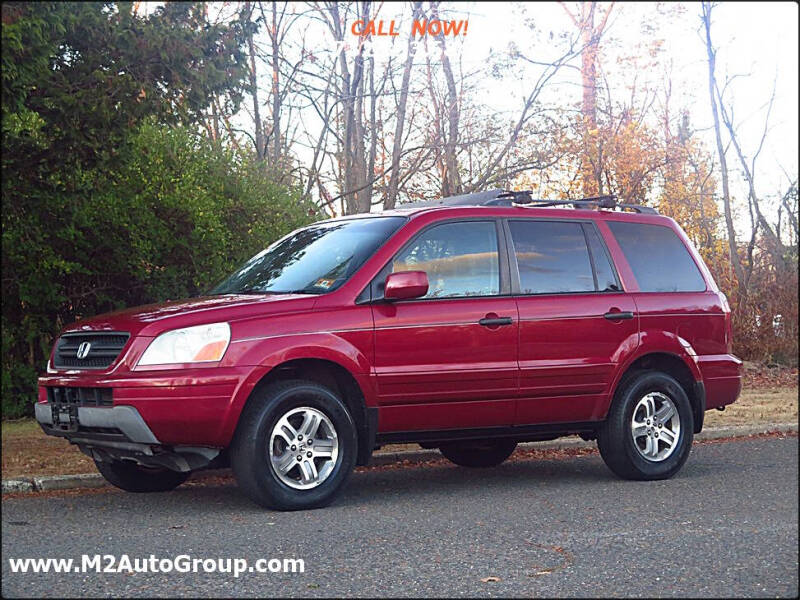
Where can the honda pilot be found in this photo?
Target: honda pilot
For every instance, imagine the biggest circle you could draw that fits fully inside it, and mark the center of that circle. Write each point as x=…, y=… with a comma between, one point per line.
x=470, y=325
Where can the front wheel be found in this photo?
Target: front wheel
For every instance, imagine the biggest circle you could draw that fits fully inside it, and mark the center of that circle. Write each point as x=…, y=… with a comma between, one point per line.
x=478, y=453
x=649, y=429
x=132, y=477
x=295, y=446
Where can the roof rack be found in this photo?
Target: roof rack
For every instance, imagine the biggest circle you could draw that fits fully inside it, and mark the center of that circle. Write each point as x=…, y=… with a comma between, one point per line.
x=608, y=202
x=524, y=199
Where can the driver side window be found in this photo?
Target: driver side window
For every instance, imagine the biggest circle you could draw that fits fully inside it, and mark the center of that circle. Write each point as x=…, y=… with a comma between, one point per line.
x=460, y=259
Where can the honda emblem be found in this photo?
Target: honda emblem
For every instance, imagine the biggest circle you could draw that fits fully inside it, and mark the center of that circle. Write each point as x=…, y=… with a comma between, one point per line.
x=83, y=349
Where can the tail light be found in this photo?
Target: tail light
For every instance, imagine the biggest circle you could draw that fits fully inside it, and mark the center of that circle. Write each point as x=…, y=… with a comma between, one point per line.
x=726, y=309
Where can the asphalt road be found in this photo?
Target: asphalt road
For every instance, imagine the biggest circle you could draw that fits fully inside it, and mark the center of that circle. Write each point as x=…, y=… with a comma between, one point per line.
x=725, y=526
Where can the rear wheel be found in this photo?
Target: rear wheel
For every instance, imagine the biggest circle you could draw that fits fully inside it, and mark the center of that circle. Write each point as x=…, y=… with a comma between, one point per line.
x=132, y=477
x=649, y=429
x=295, y=446
x=478, y=453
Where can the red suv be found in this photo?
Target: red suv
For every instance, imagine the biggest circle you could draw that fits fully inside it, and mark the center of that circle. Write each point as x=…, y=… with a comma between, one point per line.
x=468, y=325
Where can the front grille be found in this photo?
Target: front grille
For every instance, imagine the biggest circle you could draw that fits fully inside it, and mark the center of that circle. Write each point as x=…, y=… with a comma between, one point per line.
x=103, y=349
x=80, y=396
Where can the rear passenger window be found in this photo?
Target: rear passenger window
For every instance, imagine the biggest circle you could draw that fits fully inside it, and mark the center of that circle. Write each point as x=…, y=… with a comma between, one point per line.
x=658, y=258
x=606, y=277
x=552, y=257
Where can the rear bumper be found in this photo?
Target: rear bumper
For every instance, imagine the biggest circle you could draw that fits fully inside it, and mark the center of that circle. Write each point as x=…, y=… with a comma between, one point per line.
x=722, y=378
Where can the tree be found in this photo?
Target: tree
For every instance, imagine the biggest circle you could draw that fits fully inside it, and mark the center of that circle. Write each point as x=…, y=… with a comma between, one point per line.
x=400, y=121
x=591, y=33
x=721, y=153
x=109, y=195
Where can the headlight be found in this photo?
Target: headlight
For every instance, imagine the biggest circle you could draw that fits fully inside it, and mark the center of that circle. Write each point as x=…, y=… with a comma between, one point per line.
x=204, y=343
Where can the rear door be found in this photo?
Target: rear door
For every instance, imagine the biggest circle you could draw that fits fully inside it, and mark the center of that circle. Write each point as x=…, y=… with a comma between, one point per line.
x=575, y=321
x=449, y=359
x=674, y=299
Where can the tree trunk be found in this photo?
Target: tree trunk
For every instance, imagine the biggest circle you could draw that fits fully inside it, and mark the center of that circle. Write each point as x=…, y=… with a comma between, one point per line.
x=276, y=97
x=775, y=247
x=790, y=212
x=397, y=146
x=589, y=166
x=373, y=133
x=254, y=89
x=359, y=184
x=723, y=163
x=348, y=106
x=451, y=183
x=591, y=161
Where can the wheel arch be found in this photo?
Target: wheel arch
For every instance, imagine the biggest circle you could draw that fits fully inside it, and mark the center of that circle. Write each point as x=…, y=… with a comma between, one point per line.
x=684, y=371
x=340, y=380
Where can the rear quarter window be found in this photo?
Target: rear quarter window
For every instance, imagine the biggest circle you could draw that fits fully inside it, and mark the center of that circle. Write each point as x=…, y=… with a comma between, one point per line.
x=658, y=258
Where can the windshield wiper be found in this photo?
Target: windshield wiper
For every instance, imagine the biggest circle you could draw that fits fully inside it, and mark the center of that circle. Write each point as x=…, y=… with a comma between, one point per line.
x=273, y=292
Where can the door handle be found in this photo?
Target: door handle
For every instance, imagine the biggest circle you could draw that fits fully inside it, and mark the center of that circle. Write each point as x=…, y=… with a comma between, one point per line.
x=618, y=316
x=495, y=321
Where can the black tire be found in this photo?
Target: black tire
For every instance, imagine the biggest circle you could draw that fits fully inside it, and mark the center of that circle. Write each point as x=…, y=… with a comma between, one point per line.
x=250, y=451
x=478, y=453
x=133, y=477
x=615, y=439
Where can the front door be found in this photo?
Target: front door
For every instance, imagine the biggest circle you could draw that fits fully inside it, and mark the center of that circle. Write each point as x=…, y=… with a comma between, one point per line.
x=575, y=321
x=449, y=359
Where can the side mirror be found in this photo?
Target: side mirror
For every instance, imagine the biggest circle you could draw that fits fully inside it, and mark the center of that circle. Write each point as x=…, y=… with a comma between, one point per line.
x=405, y=285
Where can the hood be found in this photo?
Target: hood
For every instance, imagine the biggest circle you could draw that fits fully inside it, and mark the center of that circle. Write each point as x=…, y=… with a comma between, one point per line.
x=152, y=319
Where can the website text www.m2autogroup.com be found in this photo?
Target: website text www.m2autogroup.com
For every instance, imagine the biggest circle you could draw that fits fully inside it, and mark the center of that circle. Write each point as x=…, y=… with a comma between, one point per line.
x=182, y=563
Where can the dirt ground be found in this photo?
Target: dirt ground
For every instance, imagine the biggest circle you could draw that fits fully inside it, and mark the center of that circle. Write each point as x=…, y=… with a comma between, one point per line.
x=769, y=396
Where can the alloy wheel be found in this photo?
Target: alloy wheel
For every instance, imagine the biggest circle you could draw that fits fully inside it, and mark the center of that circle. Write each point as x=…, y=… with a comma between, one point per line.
x=655, y=426
x=303, y=448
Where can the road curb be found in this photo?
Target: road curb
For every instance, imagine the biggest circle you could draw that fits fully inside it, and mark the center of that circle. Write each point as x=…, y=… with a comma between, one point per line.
x=95, y=480
x=68, y=482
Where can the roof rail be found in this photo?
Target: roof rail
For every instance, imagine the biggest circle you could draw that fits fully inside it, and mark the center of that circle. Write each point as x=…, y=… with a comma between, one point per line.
x=523, y=198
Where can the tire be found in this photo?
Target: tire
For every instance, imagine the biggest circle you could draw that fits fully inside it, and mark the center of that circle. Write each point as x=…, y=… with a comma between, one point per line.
x=670, y=439
x=262, y=452
x=478, y=453
x=133, y=477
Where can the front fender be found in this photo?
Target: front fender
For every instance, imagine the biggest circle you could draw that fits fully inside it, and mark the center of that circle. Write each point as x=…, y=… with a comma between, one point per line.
x=266, y=354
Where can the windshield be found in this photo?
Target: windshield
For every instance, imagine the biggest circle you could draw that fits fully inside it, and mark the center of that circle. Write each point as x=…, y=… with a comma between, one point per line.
x=313, y=260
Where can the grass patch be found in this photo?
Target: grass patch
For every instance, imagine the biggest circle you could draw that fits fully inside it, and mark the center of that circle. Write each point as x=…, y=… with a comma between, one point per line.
x=27, y=451
x=765, y=405
x=20, y=428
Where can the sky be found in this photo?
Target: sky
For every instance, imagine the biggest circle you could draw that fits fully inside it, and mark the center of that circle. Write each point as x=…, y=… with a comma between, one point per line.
x=757, y=44
x=757, y=41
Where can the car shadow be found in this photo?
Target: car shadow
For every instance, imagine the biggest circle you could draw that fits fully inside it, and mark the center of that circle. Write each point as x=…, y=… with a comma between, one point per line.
x=430, y=483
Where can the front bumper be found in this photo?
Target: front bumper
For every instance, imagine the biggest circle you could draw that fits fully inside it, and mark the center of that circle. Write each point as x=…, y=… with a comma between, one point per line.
x=195, y=407
x=118, y=433
x=126, y=419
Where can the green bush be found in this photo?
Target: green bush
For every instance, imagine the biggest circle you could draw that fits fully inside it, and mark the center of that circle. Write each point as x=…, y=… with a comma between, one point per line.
x=167, y=218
